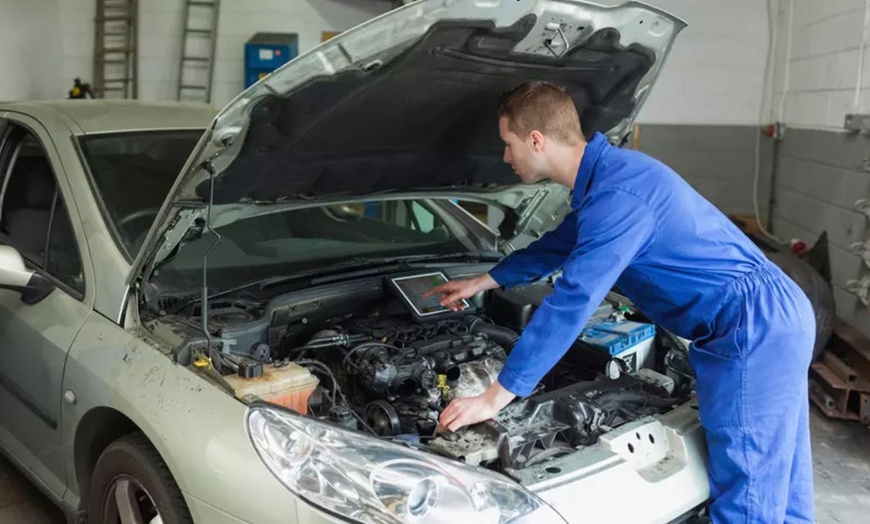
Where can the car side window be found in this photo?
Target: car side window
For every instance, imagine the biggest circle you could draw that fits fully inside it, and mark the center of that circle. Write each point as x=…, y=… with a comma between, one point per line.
x=33, y=218
x=424, y=219
x=406, y=214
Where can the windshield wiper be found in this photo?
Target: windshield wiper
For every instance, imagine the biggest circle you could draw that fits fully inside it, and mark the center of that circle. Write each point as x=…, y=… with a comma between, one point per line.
x=362, y=266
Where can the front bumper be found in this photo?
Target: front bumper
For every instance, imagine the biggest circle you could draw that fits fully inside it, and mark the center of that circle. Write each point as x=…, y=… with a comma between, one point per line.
x=662, y=479
x=650, y=471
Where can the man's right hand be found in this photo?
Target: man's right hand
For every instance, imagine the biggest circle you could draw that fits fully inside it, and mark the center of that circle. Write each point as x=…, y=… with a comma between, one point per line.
x=455, y=290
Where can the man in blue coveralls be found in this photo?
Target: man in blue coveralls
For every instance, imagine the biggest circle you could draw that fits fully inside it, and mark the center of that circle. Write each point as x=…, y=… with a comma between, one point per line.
x=637, y=224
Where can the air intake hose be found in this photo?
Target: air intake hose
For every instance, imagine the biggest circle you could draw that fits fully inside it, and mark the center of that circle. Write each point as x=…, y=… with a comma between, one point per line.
x=504, y=337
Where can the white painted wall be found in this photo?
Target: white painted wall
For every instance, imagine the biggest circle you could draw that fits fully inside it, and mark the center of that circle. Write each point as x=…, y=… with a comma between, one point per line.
x=818, y=68
x=715, y=72
x=160, y=29
x=29, y=60
x=77, y=36
x=308, y=18
x=47, y=43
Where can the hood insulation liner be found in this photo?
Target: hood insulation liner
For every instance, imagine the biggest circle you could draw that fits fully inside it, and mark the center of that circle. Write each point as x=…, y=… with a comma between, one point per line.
x=424, y=121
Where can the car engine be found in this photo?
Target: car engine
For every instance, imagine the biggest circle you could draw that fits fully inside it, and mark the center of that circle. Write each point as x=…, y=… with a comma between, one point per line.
x=404, y=374
x=381, y=371
x=398, y=375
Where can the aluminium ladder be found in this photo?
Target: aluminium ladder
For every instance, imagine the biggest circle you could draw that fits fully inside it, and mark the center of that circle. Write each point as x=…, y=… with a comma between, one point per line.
x=116, y=49
x=198, y=42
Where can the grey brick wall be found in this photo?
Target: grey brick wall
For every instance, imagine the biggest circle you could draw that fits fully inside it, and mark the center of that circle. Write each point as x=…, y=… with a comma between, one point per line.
x=718, y=161
x=819, y=177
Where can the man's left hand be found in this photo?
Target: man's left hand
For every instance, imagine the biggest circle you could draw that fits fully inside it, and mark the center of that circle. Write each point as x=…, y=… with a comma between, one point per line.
x=471, y=410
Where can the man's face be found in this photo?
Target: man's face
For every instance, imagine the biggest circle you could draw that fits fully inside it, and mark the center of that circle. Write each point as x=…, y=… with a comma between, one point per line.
x=524, y=154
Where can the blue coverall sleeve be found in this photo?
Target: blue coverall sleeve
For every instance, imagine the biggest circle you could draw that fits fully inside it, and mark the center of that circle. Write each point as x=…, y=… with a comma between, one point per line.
x=613, y=228
x=540, y=258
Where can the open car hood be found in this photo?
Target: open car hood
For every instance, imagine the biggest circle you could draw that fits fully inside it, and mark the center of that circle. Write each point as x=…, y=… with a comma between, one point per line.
x=406, y=103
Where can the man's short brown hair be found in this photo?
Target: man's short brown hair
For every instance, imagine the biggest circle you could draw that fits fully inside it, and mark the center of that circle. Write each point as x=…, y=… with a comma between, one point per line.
x=541, y=106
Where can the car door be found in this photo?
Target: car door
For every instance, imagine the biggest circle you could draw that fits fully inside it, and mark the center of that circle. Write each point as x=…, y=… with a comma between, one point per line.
x=35, y=338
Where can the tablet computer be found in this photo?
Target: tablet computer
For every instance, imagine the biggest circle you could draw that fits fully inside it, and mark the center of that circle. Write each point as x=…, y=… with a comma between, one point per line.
x=412, y=288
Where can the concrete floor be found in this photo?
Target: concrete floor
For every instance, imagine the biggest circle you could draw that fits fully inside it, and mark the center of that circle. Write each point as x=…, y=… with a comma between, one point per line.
x=841, y=462
x=841, y=455
x=21, y=502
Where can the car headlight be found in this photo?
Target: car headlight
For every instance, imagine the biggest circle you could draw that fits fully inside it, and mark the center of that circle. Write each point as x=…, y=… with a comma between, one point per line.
x=372, y=481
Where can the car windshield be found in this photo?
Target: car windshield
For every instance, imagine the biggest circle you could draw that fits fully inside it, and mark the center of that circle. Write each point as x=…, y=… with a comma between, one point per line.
x=133, y=173
x=287, y=242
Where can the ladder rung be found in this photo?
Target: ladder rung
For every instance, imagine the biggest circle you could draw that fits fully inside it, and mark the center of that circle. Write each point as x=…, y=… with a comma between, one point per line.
x=113, y=18
x=112, y=89
x=116, y=33
x=196, y=59
x=114, y=61
x=201, y=3
x=115, y=50
x=198, y=88
x=199, y=31
x=115, y=80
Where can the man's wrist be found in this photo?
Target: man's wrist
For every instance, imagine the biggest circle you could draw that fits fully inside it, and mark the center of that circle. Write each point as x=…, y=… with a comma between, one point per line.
x=497, y=396
x=485, y=282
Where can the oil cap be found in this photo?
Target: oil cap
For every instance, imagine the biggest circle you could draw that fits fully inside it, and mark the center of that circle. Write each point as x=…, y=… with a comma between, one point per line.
x=250, y=369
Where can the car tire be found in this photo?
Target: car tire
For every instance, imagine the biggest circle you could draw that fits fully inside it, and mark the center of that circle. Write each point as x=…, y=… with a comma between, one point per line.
x=817, y=290
x=131, y=472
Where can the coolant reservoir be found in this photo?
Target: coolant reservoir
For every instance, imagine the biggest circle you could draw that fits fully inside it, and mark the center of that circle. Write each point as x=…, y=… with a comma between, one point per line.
x=476, y=377
x=289, y=386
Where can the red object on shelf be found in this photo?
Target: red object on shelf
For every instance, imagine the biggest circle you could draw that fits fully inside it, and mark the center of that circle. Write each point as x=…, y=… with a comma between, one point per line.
x=798, y=247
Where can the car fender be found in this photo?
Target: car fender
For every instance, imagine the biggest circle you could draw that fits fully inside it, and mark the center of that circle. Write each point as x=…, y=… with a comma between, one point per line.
x=197, y=428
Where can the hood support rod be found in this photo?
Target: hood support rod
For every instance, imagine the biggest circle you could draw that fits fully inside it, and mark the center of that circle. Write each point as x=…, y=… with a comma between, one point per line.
x=209, y=168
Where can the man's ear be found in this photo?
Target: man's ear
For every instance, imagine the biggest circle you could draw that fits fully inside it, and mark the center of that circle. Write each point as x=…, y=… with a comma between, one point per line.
x=537, y=139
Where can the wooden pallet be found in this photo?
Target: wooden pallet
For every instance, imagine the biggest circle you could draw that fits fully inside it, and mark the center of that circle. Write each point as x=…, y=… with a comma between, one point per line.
x=840, y=378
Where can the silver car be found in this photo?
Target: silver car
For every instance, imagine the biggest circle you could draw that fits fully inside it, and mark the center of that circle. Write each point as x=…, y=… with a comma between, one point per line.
x=247, y=341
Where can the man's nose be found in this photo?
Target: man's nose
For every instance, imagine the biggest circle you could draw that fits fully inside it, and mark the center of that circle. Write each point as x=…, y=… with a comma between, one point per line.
x=507, y=156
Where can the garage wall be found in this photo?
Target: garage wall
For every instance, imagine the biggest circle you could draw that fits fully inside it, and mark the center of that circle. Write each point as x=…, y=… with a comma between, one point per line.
x=717, y=160
x=29, y=62
x=715, y=72
x=160, y=29
x=702, y=116
x=820, y=168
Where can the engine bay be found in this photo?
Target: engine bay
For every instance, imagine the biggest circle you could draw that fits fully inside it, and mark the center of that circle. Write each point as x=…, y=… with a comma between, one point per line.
x=364, y=362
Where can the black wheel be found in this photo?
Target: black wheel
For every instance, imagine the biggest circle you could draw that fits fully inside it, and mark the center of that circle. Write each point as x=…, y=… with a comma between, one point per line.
x=132, y=485
x=817, y=289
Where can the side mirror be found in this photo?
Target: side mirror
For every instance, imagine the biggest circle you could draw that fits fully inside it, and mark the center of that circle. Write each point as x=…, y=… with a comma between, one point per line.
x=32, y=286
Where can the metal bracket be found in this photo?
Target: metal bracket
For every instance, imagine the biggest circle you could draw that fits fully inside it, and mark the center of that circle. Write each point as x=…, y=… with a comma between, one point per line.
x=863, y=206
x=551, y=44
x=860, y=288
x=862, y=249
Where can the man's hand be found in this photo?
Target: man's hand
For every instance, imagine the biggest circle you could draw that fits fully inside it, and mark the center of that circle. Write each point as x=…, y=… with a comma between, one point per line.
x=455, y=290
x=471, y=410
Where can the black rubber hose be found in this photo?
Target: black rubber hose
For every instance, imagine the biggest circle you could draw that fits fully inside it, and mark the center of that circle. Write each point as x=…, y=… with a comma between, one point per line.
x=502, y=336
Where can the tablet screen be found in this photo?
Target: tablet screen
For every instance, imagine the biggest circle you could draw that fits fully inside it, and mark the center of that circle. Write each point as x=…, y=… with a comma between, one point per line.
x=414, y=287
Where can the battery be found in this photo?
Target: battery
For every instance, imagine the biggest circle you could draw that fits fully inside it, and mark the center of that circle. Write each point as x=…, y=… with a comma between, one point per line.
x=627, y=340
